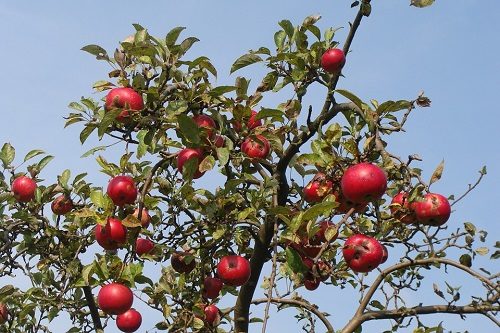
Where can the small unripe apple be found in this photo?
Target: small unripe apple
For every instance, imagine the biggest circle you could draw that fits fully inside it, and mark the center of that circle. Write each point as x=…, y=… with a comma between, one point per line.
x=62, y=205
x=122, y=190
x=145, y=217
x=256, y=146
x=318, y=188
x=434, y=210
x=180, y=264
x=212, y=287
x=24, y=188
x=333, y=60
x=143, y=246
x=234, y=270
x=363, y=182
x=187, y=154
x=112, y=235
x=126, y=99
x=129, y=321
x=115, y=298
x=362, y=253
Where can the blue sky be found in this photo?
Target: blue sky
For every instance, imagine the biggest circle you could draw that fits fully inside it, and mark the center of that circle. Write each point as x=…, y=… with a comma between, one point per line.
x=449, y=50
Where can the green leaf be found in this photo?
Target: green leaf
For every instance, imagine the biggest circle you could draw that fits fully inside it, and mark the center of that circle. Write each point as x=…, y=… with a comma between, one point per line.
x=142, y=147
x=86, y=132
x=96, y=50
x=270, y=113
x=7, y=155
x=466, y=260
x=188, y=128
x=207, y=163
x=64, y=178
x=377, y=304
x=470, y=228
x=294, y=261
x=33, y=153
x=279, y=39
x=108, y=119
x=93, y=150
x=221, y=90
x=350, y=96
x=186, y=45
x=436, y=175
x=322, y=208
x=44, y=161
x=244, y=61
x=222, y=155
x=97, y=198
x=76, y=106
x=198, y=323
x=288, y=27
x=421, y=3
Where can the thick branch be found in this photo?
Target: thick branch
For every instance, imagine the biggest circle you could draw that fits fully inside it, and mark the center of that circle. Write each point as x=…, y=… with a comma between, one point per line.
x=418, y=310
x=300, y=304
x=94, y=312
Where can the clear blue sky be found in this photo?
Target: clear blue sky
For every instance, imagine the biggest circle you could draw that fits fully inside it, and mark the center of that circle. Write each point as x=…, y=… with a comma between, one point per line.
x=450, y=50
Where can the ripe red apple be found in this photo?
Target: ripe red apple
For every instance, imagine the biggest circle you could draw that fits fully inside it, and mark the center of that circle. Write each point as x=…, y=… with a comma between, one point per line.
x=4, y=313
x=124, y=98
x=179, y=263
x=385, y=254
x=143, y=246
x=318, y=188
x=256, y=146
x=234, y=270
x=129, y=321
x=306, y=247
x=122, y=190
x=24, y=188
x=219, y=141
x=212, y=316
x=333, y=60
x=212, y=287
x=363, y=182
x=251, y=124
x=346, y=205
x=145, y=217
x=61, y=205
x=434, y=210
x=112, y=235
x=311, y=282
x=362, y=253
x=115, y=298
x=400, y=208
x=205, y=122
x=187, y=154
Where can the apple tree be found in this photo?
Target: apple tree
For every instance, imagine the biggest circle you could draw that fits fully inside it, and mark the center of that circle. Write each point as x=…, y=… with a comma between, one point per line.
x=302, y=196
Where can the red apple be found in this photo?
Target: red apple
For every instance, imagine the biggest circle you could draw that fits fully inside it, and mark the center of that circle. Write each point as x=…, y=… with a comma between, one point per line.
x=219, y=141
x=212, y=287
x=212, y=316
x=333, y=60
x=205, y=122
x=311, y=282
x=400, y=208
x=320, y=237
x=251, y=124
x=307, y=248
x=122, y=190
x=143, y=246
x=115, y=298
x=112, y=235
x=434, y=210
x=61, y=205
x=126, y=99
x=346, y=205
x=363, y=182
x=362, y=253
x=318, y=188
x=256, y=146
x=385, y=254
x=187, y=154
x=24, y=188
x=129, y=321
x=180, y=264
x=145, y=217
x=234, y=270
x=4, y=313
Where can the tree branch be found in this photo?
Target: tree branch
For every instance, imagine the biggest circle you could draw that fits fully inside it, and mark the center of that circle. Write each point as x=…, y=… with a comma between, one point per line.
x=94, y=312
x=299, y=304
